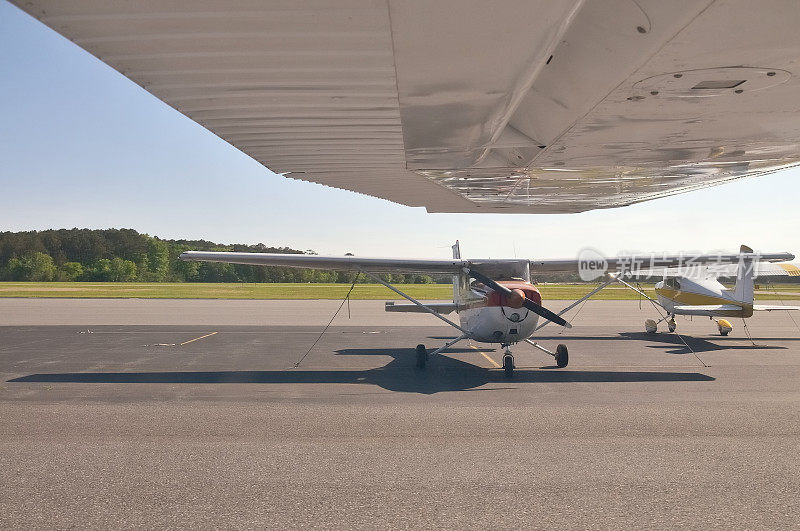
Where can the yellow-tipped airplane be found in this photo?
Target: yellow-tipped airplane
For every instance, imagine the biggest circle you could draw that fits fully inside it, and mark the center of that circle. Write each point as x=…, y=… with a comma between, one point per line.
x=699, y=291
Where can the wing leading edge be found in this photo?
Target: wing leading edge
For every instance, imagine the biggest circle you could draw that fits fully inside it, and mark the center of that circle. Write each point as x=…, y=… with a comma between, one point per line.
x=336, y=263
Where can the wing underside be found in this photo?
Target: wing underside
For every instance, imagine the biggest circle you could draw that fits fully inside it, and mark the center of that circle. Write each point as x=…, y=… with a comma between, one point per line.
x=470, y=106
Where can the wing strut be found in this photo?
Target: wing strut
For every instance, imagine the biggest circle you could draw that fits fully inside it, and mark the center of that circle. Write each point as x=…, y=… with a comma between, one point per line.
x=415, y=301
x=571, y=306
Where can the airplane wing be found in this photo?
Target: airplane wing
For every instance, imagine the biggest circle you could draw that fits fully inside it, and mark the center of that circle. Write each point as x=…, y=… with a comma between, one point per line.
x=336, y=263
x=760, y=269
x=766, y=269
x=527, y=106
x=491, y=267
x=488, y=266
x=657, y=263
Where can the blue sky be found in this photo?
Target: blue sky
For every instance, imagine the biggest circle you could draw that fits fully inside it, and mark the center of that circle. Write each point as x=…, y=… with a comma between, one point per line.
x=81, y=146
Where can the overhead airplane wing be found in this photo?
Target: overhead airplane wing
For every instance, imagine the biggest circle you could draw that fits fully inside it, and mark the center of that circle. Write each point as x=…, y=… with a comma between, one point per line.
x=465, y=105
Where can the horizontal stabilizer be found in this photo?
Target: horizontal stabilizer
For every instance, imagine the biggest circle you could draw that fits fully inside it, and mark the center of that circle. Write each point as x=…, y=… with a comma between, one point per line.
x=773, y=307
x=709, y=310
x=438, y=307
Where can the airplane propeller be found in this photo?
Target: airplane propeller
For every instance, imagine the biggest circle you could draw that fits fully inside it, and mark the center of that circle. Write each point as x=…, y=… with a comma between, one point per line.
x=518, y=294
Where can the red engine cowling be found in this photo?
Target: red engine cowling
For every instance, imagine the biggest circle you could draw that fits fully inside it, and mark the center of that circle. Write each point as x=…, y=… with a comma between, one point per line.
x=519, y=289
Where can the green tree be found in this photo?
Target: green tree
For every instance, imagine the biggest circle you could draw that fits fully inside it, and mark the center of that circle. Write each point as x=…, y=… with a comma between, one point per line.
x=154, y=259
x=217, y=272
x=70, y=272
x=157, y=259
x=114, y=270
x=187, y=271
x=38, y=267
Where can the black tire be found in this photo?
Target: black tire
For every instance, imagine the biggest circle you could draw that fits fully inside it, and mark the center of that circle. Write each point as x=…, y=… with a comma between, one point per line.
x=724, y=332
x=508, y=365
x=562, y=356
x=422, y=356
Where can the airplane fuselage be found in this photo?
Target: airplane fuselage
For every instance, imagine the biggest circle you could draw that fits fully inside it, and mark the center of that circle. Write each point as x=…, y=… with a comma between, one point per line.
x=499, y=324
x=491, y=318
x=676, y=293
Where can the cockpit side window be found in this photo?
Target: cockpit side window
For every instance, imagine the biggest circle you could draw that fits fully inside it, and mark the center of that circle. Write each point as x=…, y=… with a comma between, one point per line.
x=477, y=290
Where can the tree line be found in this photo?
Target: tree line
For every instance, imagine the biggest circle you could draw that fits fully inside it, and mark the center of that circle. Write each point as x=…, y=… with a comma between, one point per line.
x=125, y=255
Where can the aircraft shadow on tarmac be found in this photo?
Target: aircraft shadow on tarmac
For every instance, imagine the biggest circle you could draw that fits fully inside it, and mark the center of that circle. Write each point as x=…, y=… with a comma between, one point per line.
x=667, y=341
x=697, y=344
x=442, y=374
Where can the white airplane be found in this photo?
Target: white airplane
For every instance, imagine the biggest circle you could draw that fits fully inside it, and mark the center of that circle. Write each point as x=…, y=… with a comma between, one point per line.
x=495, y=299
x=698, y=292
x=519, y=106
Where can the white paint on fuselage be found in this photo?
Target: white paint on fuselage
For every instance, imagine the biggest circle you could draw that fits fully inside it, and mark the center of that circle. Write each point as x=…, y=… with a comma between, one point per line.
x=494, y=324
x=690, y=288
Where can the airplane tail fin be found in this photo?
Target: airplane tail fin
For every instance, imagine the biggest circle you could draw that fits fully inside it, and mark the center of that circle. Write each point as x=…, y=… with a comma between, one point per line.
x=457, y=250
x=457, y=278
x=743, y=290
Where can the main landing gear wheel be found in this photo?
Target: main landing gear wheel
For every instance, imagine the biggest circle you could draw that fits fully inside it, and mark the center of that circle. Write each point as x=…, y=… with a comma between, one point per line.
x=422, y=356
x=650, y=326
x=508, y=365
x=562, y=356
x=672, y=325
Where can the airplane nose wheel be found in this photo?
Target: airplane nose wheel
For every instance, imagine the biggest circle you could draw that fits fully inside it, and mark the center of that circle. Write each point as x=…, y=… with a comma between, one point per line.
x=422, y=356
x=562, y=356
x=508, y=364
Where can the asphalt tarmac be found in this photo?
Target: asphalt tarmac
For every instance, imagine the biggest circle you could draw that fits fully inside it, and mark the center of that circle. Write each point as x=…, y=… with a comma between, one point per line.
x=123, y=414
